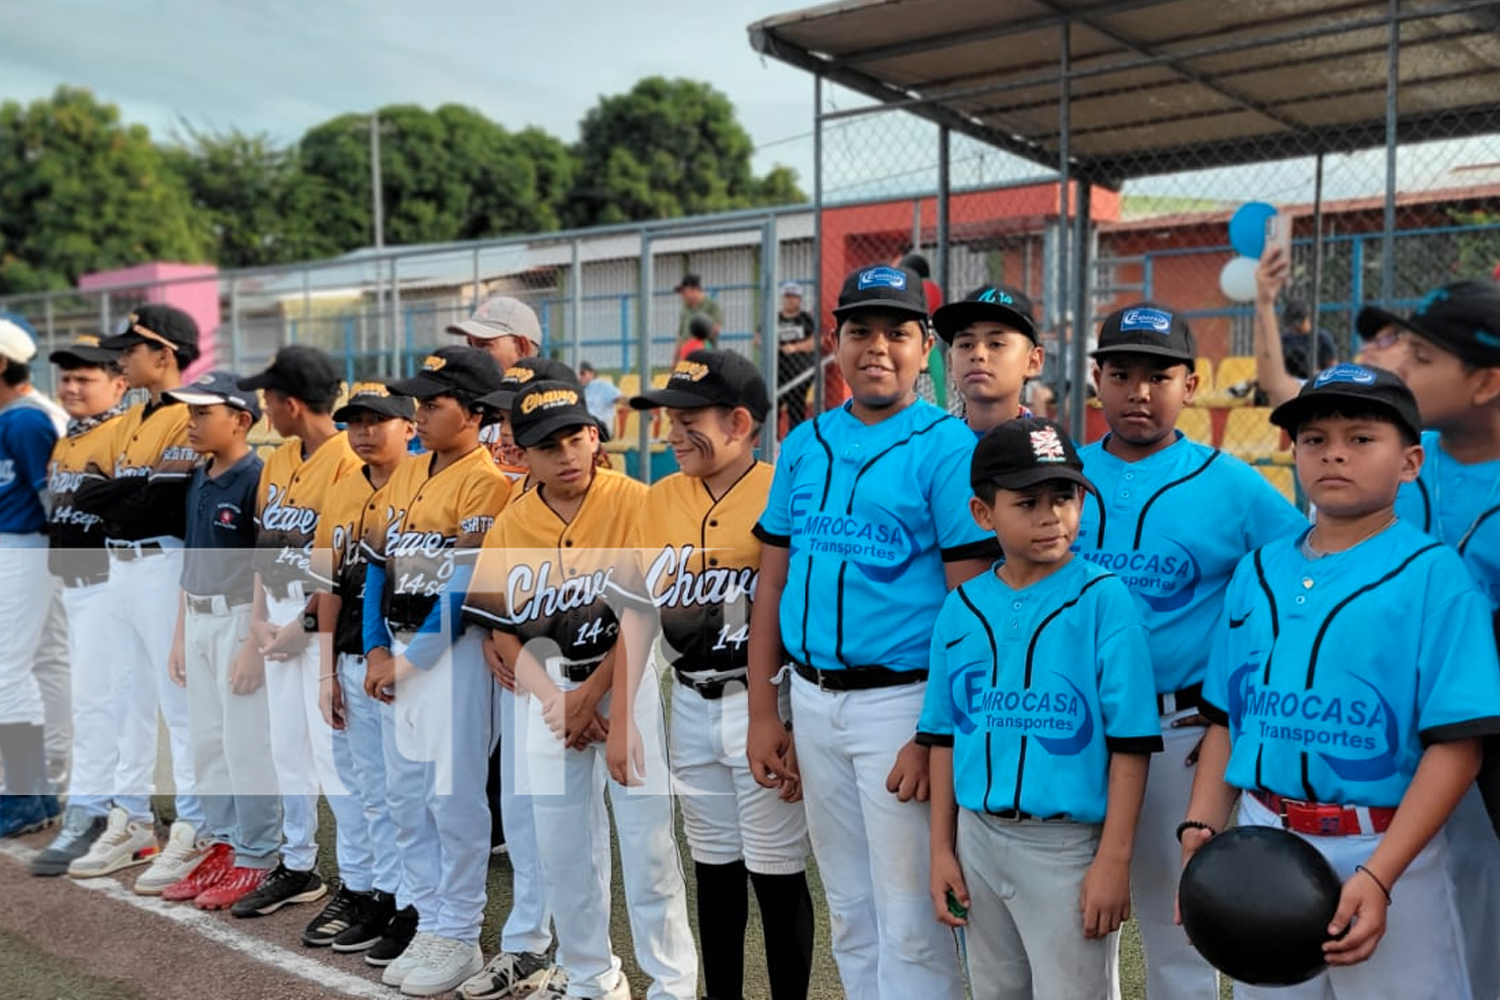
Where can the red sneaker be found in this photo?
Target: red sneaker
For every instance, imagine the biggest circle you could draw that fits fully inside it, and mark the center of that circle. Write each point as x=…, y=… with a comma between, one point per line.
x=215, y=865
x=238, y=882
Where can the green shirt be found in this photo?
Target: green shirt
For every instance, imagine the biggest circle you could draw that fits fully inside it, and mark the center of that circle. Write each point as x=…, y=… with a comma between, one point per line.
x=707, y=307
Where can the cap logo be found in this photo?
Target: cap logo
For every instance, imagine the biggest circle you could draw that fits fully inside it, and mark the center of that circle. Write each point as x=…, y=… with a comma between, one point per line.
x=995, y=295
x=549, y=399
x=1486, y=337
x=433, y=363
x=882, y=277
x=519, y=374
x=1047, y=446
x=369, y=389
x=1154, y=320
x=204, y=380
x=1348, y=374
x=88, y=340
x=690, y=371
x=1431, y=299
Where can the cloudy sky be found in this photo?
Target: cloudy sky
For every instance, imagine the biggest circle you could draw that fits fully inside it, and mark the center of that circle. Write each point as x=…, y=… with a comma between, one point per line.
x=279, y=66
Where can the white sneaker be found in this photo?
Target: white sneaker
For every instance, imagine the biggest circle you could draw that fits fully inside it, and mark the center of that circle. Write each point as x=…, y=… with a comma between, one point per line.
x=184, y=853
x=447, y=963
x=123, y=843
x=619, y=991
x=407, y=960
x=553, y=986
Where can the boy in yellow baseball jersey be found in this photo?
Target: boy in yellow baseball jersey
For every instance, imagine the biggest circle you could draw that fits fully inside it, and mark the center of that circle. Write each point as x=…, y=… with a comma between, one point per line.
x=553, y=572
x=142, y=495
x=421, y=544
x=701, y=563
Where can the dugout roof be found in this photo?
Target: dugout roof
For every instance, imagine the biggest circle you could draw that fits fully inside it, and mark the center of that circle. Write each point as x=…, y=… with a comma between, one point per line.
x=1159, y=85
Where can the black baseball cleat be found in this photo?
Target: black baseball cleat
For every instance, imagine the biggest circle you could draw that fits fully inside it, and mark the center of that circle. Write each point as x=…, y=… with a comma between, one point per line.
x=398, y=934
x=375, y=915
x=281, y=888
x=341, y=913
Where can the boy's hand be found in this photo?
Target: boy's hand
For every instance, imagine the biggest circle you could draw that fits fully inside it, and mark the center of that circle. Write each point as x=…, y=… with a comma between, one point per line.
x=1105, y=896
x=501, y=670
x=625, y=753
x=248, y=672
x=768, y=746
x=1361, y=912
x=948, y=877
x=791, y=778
x=177, y=664
x=288, y=641
x=382, y=671
x=1192, y=839
x=262, y=633
x=331, y=701
x=908, y=777
x=1271, y=275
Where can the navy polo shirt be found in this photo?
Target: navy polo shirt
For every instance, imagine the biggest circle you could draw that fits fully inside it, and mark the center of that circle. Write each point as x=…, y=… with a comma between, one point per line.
x=220, y=519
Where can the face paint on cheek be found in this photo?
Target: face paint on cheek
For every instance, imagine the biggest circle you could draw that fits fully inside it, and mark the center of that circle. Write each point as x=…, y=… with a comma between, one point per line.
x=701, y=444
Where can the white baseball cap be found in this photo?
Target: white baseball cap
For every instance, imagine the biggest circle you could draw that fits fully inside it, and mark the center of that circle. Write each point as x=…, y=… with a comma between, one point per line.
x=501, y=316
x=16, y=343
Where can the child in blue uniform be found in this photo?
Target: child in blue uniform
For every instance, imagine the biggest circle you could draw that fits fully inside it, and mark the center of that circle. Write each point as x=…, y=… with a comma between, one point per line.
x=1448, y=353
x=993, y=352
x=864, y=531
x=1171, y=518
x=1350, y=681
x=1041, y=716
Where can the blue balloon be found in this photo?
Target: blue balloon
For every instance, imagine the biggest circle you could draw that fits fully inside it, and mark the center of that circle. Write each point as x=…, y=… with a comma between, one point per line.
x=1247, y=228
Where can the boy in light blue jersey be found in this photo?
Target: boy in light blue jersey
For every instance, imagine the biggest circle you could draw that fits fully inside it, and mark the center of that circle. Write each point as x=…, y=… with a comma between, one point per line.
x=1041, y=716
x=1448, y=353
x=993, y=351
x=1171, y=518
x=864, y=531
x=1350, y=681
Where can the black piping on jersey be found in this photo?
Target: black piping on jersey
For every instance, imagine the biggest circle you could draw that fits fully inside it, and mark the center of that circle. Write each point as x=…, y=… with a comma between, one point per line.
x=1426, y=506
x=1140, y=521
x=713, y=505
x=989, y=633
x=1265, y=588
x=1463, y=543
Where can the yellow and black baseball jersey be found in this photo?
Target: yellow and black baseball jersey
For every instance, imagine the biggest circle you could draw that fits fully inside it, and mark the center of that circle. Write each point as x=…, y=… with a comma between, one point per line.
x=145, y=493
x=76, y=533
x=338, y=564
x=426, y=526
x=541, y=577
x=293, y=491
x=701, y=561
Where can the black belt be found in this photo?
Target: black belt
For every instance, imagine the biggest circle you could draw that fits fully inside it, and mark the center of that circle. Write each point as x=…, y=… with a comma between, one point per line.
x=1020, y=815
x=85, y=580
x=711, y=689
x=1179, y=701
x=577, y=673
x=281, y=590
x=205, y=605
x=858, y=678
x=129, y=551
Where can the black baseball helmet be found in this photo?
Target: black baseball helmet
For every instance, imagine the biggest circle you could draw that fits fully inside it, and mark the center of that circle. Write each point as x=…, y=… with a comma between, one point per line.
x=1256, y=902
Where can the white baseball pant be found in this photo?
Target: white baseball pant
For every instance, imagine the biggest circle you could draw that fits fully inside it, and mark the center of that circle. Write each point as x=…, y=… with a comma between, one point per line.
x=359, y=755
x=1474, y=864
x=726, y=814
x=24, y=596
x=53, y=677
x=1174, y=969
x=528, y=926
x=231, y=736
x=1421, y=956
x=99, y=688
x=437, y=762
x=145, y=592
x=573, y=838
x=872, y=850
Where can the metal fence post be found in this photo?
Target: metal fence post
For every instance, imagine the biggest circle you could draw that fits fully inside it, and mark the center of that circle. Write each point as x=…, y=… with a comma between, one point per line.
x=575, y=279
x=398, y=355
x=769, y=347
x=824, y=293
x=1392, y=91
x=235, y=352
x=643, y=350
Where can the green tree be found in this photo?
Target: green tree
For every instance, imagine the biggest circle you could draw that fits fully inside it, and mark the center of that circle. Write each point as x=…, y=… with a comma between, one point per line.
x=80, y=191
x=665, y=149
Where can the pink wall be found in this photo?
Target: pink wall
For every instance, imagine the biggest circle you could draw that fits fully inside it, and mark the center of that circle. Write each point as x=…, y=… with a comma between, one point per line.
x=199, y=299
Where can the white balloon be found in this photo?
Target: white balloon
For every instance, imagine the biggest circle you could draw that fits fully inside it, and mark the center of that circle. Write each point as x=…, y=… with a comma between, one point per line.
x=1237, y=280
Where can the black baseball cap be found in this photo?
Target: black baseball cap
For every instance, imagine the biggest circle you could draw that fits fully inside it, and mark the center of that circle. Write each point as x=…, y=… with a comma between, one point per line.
x=1463, y=318
x=155, y=324
x=521, y=374
x=83, y=352
x=689, y=280
x=898, y=289
x=996, y=303
x=466, y=373
x=217, y=387
x=1356, y=387
x=1146, y=328
x=545, y=407
x=1024, y=452
x=300, y=372
x=710, y=378
x=377, y=398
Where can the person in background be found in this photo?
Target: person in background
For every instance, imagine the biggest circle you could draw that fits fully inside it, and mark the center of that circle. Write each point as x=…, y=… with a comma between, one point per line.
x=505, y=328
x=695, y=302
x=1282, y=361
x=796, y=349
x=602, y=397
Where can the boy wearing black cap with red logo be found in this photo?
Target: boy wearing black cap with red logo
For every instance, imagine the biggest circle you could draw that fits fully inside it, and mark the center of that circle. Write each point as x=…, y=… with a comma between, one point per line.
x=558, y=585
x=1448, y=353
x=421, y=544
x=992, y=352
x=1351, y=679
x=1041, y=715
x=701, y=561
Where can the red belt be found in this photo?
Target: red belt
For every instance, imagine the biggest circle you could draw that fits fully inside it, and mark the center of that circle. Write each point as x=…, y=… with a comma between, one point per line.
x=1322, y=819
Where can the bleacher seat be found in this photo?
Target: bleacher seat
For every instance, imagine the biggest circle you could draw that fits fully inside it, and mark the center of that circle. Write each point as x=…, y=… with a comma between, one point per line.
x=1250, y=435
x=1204, y=369
x=1282, y=477
x=1233, y=371
x=1197, y=424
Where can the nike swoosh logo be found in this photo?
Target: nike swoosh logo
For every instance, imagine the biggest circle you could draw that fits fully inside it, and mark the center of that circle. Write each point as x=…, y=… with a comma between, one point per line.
x=1237, y=622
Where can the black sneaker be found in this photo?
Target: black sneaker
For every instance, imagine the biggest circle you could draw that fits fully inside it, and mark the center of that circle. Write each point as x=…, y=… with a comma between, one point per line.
x=398, y=934
x=281, y=887
x=376, y=911
x=79, y=832
x=342, y=912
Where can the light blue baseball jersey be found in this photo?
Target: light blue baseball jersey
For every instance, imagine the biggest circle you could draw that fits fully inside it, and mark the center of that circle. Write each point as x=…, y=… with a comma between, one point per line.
x=869, y=514
x=1173, y=526
x=1334, y=673
x=1035, y=688
x=27, y=437
x=1459, y=505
